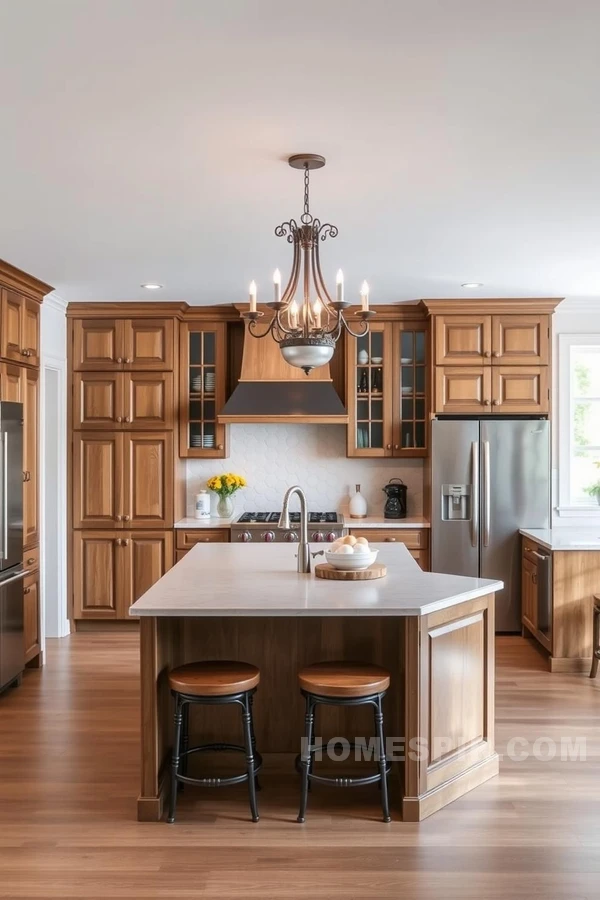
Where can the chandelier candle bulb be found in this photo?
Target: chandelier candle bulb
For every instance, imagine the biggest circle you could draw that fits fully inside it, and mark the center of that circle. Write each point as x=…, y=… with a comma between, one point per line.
x=252, y=290
x=364, y=296
x=339, y=285
x=277, y=285
x=317, y=311
x=294, y=315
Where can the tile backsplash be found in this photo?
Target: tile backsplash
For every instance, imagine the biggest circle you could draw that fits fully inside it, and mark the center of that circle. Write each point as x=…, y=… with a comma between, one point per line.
x=273, y=457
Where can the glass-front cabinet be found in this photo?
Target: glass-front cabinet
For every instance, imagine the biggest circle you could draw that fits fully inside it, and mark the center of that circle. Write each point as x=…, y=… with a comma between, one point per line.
x=387, y=391
x=203, y=355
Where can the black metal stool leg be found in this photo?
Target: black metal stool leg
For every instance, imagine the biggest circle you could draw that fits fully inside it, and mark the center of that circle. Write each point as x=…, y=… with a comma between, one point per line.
x=305, y=757
x=175, y=758
x=385, y=805
x=247, y=720
x=185, y=741
x=256, y=781
x=313, y=739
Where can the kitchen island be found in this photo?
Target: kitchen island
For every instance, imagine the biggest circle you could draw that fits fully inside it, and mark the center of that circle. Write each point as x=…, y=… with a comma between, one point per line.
x=435, y=633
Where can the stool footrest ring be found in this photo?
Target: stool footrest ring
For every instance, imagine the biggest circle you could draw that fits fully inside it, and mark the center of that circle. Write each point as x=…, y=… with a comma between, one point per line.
x=216, y=780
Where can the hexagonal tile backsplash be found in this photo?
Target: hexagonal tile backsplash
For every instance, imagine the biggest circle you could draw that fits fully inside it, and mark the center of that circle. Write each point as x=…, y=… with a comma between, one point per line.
x=273, y=457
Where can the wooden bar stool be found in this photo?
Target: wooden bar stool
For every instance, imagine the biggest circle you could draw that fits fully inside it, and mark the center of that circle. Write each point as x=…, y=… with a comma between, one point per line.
x=596, y=638
x=343, y=684
x=213, y=683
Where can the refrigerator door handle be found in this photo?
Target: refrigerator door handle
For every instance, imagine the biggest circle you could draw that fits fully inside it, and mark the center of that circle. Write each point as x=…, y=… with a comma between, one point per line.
x=5, y=496
x=486, y=494
x=475, y=497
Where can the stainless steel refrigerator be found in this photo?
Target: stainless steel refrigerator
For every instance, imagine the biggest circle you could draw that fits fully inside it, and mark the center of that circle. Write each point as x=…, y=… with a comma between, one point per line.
x=489, y=478
x=12, y=651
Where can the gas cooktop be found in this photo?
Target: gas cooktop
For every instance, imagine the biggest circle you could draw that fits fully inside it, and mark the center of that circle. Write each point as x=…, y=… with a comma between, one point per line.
x=272, y=518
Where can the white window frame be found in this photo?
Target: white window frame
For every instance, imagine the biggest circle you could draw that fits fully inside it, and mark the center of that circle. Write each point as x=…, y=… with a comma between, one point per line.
x=565, y=507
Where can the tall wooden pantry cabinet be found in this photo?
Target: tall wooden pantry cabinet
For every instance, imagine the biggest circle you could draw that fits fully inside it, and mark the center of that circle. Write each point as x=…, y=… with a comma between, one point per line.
x=21, y=296
x=127, y=483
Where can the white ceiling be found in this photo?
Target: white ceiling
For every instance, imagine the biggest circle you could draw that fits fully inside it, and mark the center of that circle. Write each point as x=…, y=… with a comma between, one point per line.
x=145, y=140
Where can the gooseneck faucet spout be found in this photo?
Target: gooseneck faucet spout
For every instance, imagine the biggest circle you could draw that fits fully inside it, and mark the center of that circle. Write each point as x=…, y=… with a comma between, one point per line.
x=284, y=522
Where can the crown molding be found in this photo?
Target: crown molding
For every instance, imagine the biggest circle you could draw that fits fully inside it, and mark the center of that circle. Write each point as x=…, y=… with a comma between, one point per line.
x=493, y=305
x=54, y=301
x=22, y=281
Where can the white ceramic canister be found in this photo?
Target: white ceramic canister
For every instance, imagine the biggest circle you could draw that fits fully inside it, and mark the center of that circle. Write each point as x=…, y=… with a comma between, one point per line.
x=358, y=505
x=202, y=505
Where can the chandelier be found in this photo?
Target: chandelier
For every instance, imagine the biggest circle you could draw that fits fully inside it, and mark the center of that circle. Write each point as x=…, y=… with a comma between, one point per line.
x=307, y=321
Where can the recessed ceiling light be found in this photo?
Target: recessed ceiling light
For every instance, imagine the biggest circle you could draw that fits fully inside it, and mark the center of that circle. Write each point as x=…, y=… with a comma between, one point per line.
x=151, y=286
x=472, y=284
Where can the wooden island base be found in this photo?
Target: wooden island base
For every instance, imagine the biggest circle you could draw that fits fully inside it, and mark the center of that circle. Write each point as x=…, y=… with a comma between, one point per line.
x=440, y=703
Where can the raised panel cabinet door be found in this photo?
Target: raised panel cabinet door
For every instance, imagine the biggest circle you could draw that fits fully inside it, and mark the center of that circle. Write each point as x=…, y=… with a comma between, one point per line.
x=31, y=331
x=98, y=401
x=462, y=390
x=520, y=389
x=97, y=480
x=463, y=340
x=148, y=471
x=31, y=615
x=150, y=556
x=12, y=383
x=520, y=340
x=149, y=344
x=98, y=344
x=148, y=400
x=98, y=574
x=31, y=384
x=12, y=325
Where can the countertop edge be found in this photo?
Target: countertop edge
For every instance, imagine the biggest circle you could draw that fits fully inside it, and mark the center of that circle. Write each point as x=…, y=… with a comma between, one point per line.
x=544, y=538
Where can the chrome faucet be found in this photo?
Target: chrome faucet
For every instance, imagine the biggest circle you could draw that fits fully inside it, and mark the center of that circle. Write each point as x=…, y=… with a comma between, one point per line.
x=284, y=522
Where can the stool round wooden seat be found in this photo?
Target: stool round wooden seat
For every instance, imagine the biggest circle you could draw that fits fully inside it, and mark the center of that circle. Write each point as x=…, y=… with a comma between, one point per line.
x=343, y=684
x=213, y=683
x=344, y=679
x=596, y=638
x=214, y=678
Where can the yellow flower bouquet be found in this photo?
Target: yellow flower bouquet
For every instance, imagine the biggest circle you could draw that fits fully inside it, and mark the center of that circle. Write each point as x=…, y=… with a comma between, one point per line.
x=224, y=486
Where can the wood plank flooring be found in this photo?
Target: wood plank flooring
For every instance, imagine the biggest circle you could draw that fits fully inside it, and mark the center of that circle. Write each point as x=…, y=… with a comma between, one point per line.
x=69, y=761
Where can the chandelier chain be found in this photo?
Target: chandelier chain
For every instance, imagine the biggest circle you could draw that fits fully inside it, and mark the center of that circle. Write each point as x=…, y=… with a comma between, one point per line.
x=306, y=217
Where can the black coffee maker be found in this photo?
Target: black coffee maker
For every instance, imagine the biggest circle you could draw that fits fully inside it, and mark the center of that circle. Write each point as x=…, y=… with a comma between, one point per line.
x=395, y=505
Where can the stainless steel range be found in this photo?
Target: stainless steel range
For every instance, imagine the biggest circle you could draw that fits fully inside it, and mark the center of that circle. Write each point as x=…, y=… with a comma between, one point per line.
x=261, y=527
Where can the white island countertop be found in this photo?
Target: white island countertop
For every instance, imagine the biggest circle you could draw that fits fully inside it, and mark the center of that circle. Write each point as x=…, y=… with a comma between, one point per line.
x=565, y=538
x=261, y=580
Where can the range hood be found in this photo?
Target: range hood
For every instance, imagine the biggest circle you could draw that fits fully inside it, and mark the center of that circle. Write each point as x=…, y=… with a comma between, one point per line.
x=271, y=391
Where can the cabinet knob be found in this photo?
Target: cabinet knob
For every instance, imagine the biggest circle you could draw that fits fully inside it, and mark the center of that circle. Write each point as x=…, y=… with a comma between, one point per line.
x=119, y=359
x=496, y=402
x=118, y=542
x=388, y=446
x=24, y=476
x=31, y=560
x=219, y=446
x=126, y=542
x=128, y=419
x=396, y=446
x=496, y=353
x=127, y=360
x=487, y=354
x=486, y=402
x=23, y=351
x=118, y=518
x=390, y=540
x=27, y=591
x=119, y=418
x=126, y=518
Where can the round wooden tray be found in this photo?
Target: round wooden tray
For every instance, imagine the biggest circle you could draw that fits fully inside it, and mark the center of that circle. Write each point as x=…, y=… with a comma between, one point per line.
x=324, y=570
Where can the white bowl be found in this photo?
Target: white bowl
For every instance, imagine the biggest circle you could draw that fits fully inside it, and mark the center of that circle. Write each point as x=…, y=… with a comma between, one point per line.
x=351, y=562
x=377, y=359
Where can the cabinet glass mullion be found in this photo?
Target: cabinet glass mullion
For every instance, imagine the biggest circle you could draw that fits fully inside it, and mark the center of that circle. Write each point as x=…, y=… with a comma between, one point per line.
x=413, y=387
x=369, y=388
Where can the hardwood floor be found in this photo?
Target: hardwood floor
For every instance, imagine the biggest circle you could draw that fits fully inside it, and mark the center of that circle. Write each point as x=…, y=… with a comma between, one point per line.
x=69, y=760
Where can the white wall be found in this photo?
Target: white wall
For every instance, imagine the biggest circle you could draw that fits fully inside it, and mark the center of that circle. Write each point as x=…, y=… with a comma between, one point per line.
x=53, y=467
x=571, y=317
x=273, y=457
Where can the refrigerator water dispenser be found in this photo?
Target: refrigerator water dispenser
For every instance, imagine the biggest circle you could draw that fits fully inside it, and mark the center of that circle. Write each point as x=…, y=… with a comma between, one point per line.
x=456, y=502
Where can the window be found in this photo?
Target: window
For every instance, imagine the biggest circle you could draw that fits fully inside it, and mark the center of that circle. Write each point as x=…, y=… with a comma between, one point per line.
x=579, y=423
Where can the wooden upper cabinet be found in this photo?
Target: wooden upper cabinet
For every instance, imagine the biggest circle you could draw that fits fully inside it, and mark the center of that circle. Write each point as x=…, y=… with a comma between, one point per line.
x=97, y=400
x=12, y=344
x=520, y=340
x=202, y=389
x=98, y=575
x=520, y=389
x=11, y=383
x=463, y=390
x=148, y=344
x=463, y=340
x=122, y=400
x=97, y=344
x=131, y=344
x=30, y=387
x=148, y=400
x=97, y=480
x=148, y=468
x=31, y=331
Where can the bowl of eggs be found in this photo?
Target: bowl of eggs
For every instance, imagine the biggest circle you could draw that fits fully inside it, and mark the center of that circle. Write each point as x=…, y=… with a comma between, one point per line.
x=350, y=554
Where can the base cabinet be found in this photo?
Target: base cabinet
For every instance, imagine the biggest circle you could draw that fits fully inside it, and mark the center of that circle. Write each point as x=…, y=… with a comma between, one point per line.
x=31, y=616
x=415, y=540
x=112, y=569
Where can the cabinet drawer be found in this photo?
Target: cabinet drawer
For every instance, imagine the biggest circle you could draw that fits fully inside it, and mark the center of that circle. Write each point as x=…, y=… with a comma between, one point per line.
x=31, y=559
x=414, y=540
x=530, y=551
x=187, y=539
